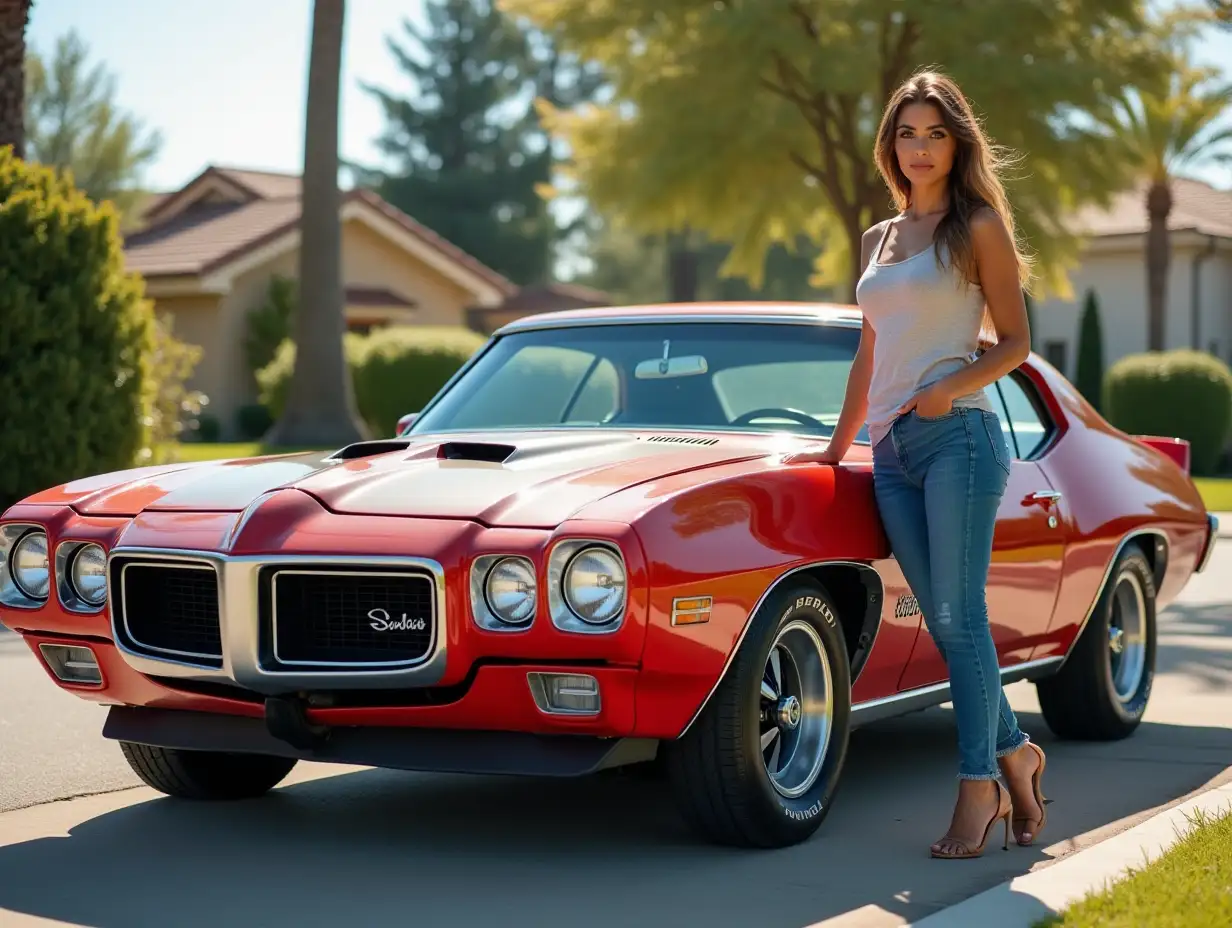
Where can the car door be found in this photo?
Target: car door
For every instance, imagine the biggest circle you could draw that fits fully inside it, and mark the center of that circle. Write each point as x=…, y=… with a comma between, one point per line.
x=1028, y=543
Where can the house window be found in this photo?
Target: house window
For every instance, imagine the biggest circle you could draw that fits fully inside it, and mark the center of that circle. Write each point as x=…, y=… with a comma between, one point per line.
x=1054, y=354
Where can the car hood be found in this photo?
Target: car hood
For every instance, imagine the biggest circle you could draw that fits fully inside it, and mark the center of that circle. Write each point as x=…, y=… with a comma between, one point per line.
x=531, y=479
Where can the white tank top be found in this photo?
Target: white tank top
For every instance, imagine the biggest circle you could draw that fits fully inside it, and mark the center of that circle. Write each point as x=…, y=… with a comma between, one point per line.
x=927, y=325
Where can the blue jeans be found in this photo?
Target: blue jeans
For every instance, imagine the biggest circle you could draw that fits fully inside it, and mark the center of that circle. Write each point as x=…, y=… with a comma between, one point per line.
x=938, y=484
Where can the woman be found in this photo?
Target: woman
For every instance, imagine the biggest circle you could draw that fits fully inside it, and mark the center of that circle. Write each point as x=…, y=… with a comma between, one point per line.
x=931, y=276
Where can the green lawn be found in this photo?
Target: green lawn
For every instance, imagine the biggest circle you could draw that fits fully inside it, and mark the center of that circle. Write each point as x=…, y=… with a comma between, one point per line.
x=1216, y=491
x=1189, y=885
x=214, y=451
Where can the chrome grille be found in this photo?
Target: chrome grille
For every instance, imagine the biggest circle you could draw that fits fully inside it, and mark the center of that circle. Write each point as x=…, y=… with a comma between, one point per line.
x=168, y=608
x=344, y=618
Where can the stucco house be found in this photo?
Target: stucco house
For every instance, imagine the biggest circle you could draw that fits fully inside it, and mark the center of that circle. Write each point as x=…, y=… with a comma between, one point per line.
x=1113, y=264
x=209, y=250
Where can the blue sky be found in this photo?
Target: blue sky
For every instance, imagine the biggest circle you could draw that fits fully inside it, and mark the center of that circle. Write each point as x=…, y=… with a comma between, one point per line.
x=223, y=80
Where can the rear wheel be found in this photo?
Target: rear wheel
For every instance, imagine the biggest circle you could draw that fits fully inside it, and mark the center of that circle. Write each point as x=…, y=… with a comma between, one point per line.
x=760, y=766
x=206, y=774
x=1102, y=691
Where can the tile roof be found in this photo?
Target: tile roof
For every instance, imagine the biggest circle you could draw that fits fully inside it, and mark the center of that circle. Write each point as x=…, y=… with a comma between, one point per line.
x=208, y=234
x=1196, y=206
x=205, y=235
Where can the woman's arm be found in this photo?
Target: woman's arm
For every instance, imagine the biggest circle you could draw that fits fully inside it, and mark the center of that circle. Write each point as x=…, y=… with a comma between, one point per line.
x=998, y=270
x=855, y=397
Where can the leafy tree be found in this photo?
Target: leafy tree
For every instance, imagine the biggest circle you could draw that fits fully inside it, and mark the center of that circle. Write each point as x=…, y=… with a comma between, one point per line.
x=1089, y=377
x=14, y=16
x=73, y=122
x=1167, y=126
x=320, y=408
x=754, y=121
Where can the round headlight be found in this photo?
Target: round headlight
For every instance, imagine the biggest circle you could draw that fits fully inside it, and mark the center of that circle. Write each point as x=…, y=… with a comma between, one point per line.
x=595, y=585
x=510, y=591
x=29, y=567
x=90, y=574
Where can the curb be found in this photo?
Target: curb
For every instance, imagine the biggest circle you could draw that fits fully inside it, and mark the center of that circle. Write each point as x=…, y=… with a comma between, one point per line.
x=1024, y=900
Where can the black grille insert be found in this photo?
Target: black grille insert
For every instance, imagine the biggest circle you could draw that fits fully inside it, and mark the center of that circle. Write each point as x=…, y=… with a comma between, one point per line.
x=170, y=609
x=343, y=617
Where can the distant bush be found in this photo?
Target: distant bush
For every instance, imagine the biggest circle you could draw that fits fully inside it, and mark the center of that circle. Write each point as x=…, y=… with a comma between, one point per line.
x=1181, y=394
x=394, y=370
x=175, y=412
x=76, y=336
x=269, y=324
x=252, y=421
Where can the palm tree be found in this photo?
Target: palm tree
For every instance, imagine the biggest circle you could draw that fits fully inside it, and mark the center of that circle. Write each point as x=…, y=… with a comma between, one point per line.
x=320, y=410
x=14, y=15
x=1170, y=127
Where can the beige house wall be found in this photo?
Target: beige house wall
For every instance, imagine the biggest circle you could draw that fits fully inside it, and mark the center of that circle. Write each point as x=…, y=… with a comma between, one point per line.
x=368, y=260
x=219, y=325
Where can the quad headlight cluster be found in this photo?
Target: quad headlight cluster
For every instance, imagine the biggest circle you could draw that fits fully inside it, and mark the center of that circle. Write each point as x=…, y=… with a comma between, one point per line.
x=586, y=589
x=26, y=574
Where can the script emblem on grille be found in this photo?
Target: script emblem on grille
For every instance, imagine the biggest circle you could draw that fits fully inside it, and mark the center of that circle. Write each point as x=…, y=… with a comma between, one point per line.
x=381, y=622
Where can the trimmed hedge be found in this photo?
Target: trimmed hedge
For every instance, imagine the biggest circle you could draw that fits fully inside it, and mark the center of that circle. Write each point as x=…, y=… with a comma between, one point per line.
x=1181, y=394
x=76, y=336
x=395, y=370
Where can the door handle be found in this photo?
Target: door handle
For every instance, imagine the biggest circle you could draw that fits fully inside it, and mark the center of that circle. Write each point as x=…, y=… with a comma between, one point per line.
x=1047, y=498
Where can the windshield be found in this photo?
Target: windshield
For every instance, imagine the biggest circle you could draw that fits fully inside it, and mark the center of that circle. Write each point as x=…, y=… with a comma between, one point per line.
x=683, y=375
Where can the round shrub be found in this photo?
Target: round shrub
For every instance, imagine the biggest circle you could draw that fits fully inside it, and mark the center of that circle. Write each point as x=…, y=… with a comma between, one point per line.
x=1181, y=394
x=403, y=367
x=394, y=370
x=76, y=335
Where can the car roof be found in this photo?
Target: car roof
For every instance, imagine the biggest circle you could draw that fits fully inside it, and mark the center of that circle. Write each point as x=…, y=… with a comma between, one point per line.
x=818, y=313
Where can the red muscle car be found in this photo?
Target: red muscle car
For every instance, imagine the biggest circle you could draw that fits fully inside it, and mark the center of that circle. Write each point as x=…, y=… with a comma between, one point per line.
x=587, y=552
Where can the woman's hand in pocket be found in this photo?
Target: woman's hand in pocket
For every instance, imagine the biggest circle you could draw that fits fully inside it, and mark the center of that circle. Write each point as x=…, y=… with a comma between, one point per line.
x=930, y=403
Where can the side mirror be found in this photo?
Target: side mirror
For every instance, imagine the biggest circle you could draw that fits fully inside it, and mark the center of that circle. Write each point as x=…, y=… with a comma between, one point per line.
x=405, y=423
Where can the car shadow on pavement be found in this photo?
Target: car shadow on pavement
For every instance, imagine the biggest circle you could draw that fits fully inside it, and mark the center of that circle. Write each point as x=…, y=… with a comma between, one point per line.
x=1196, y=640
x=380, y=847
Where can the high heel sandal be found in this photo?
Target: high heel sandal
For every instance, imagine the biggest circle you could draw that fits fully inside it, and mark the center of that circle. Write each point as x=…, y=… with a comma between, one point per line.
x=1036, y=779
x=1005, y=809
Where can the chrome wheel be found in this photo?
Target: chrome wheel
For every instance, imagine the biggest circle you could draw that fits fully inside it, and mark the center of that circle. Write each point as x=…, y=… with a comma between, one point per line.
x=1127, y=637
x=796, y=708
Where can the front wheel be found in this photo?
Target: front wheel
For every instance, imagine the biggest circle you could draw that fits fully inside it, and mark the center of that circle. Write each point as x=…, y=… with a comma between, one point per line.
x=760, y=765
x=206, y=774
x=1101, y=692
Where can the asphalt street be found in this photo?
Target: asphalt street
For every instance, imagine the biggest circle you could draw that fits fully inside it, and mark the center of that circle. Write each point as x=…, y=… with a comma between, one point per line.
x=364, y=847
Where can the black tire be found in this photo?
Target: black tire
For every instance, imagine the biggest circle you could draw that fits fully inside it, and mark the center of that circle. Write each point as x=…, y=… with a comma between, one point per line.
x=717, y=771
x=208, y=775
x=1081, y=702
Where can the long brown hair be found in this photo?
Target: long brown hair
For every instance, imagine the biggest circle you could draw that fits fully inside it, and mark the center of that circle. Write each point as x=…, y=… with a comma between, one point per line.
x=974, y=179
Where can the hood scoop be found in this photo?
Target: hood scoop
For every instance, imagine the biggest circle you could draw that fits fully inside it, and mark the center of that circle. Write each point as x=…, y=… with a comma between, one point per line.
x=363, y=449
x=488, y=452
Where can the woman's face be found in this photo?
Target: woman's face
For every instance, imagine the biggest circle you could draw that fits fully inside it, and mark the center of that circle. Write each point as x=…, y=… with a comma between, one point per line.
x=923, y=145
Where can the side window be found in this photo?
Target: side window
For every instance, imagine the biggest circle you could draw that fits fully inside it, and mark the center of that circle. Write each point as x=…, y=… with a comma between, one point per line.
x=1026, y=417
x=998, y=404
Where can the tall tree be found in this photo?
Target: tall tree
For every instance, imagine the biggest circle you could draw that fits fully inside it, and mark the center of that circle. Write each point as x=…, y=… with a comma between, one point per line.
x=469, y=155
x=753, y=120
x=320, y=410
x=1089, y=376
x=1168, y=126
x=73, y=122
x=14, y=16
